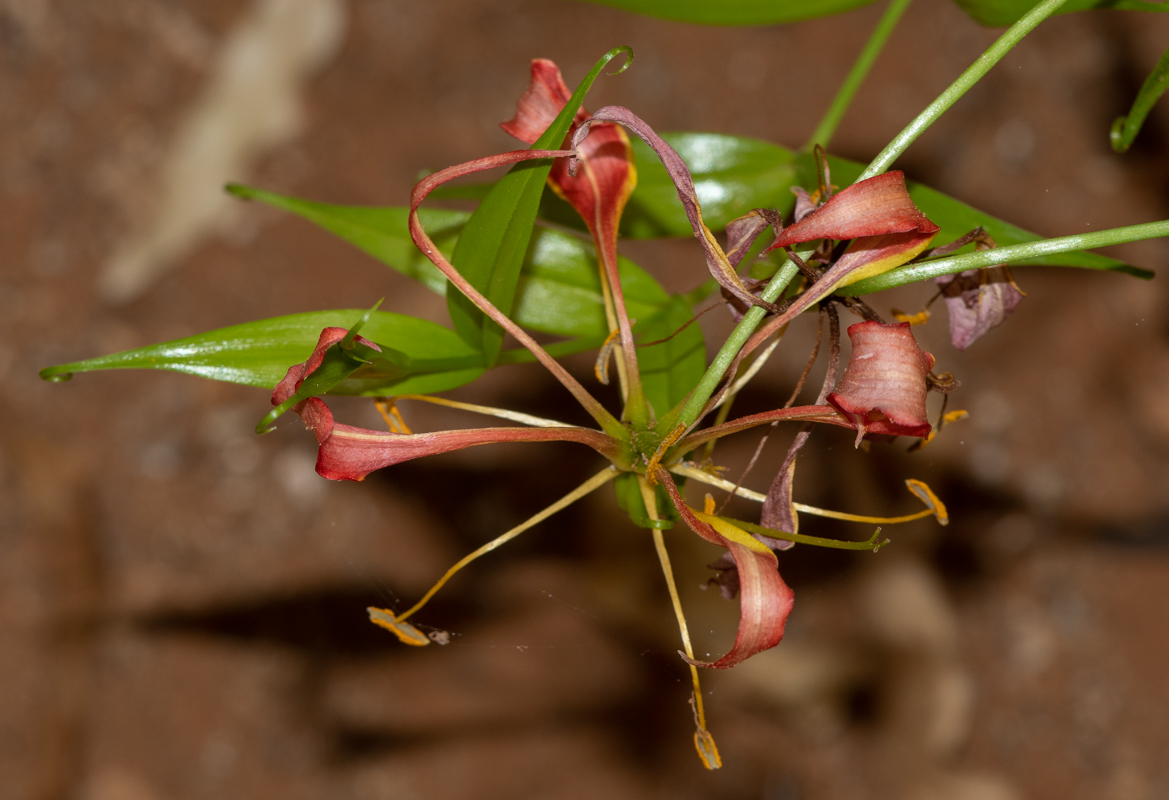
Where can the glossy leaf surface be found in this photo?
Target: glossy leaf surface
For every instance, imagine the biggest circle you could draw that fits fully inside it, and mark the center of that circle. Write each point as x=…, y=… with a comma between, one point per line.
x=559, y=290
x=671, y=369
x=418, y=356
x=1000, y=13
x=380, y=231
x=735, y=12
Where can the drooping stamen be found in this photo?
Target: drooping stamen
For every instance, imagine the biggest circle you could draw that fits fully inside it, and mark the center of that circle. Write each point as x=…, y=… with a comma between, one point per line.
x=934, y=506
x=490, y=411
x=598, y=480
x=778, y=510
x=703, y=741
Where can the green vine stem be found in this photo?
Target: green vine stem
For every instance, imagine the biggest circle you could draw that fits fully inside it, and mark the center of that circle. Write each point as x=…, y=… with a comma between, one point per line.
x=967, y=79
x=1125, y=129
x=856, y=76
x=1005, y=255
x=689, y=413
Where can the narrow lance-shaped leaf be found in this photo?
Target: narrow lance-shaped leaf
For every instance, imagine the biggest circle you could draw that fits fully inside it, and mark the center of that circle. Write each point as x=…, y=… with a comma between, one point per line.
x=733, y=174
x=559, y=290
x=418, y=233
x=736, y=12
x=491, y=248
x=1001, y=13
x=423, y=357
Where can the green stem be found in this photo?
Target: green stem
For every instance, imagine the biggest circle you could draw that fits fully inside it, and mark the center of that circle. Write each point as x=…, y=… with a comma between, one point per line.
x=731, y=347
x=971, y=76
x=1125, y=129
x=689, y=413
x=856, y=76
x=1005, y=255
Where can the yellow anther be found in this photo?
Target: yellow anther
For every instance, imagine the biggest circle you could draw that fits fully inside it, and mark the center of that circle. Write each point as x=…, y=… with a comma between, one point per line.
x=656, y=459
x=954, y=416
x=926, y=495
x=708, y=504
x=410, y=635
x=920, y=318
x=707, y=751
x=601, y=368
x=387, y=407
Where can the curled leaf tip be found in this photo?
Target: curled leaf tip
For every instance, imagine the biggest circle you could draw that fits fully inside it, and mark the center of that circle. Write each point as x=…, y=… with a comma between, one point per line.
x=625, y=50
x=405, y=632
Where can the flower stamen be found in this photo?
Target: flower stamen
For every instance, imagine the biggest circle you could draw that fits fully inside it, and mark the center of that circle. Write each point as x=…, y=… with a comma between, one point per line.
x=376, y=614
x=490, y=411
x=934, y=506
x=387, y=407
x=703, y=741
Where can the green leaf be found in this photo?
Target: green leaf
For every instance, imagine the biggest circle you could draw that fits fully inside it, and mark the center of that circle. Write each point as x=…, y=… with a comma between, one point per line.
x=735, y=12
x=732, y=175
x=956, y=219
x=630, y=501
x=559, y=290
x=490, y=251
x=419, y=356
x=1001, y=13
x=1125, y=129
x=671, y=369
x=379, y=231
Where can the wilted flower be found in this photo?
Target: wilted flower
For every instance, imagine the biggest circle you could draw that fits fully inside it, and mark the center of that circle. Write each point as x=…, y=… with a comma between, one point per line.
x=884, y=386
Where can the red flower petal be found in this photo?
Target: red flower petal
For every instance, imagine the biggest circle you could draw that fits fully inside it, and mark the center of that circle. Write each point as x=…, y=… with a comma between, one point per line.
x=350, y=453
x=765, y=601
x=298, y=372
x=873, y=207
x=884, y=386
x=547, y=94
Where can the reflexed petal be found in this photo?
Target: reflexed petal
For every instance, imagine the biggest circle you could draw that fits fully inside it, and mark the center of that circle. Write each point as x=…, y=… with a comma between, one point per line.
x=978, y=300
x=884, y=386
x=541, y=103
x=350, y=453
x=599, y=193
x=873, y=207
x=298, y=372
x=765, y=601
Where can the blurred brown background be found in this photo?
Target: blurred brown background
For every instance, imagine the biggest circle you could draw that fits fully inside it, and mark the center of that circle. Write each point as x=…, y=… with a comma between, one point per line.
x=182, y=604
